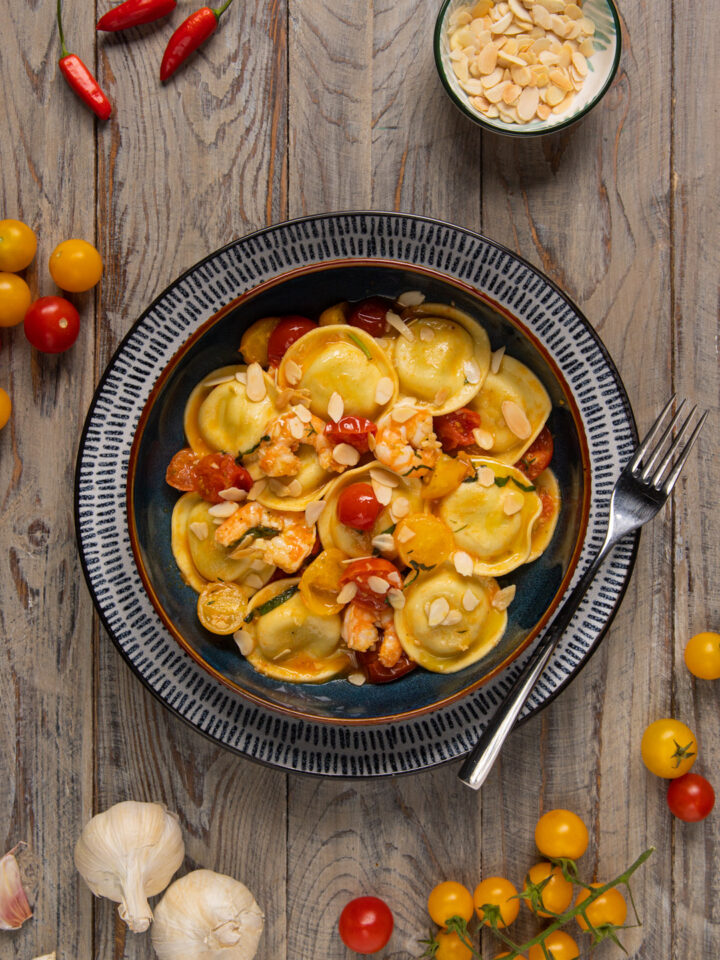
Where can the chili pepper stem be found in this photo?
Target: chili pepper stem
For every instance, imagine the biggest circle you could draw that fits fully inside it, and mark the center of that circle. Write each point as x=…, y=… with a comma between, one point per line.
x=220, y=10
x=63, y=48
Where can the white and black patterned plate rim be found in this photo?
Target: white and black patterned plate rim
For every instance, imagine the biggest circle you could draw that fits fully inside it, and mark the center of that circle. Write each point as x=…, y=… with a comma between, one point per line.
x=106, y=556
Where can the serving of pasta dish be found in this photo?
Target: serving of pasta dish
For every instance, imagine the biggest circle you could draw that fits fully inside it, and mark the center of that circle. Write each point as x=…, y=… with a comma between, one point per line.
x=355, y=485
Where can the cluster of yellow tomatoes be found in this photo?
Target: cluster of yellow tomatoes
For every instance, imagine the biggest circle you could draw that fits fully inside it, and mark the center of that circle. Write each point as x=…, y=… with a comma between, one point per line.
x=51, y=323
x=559, y=835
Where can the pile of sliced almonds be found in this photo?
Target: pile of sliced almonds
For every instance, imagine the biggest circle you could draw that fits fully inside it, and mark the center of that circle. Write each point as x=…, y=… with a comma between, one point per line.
x=520, y=60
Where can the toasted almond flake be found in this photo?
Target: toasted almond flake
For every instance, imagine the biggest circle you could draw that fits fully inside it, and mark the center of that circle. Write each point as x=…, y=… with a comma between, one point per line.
x=256, y=489
x=302, y=413
x=384, y=477
x=226, y=509
x=492, y=79
x=471, y=371
x=463, y=563
x=245, y=642
x=396, y=598
x=371, y=442
x=278, y=487
x=512, y=502
x=439, y=609
x=401, y=414
x=397, y=323
x=383, y=493
x=520, y=11
x=487, y=59
x=501, y=25
x=347, y=593
x=367, y=556
x=199, y=530
x=217, y=521
x=294, y=488
x=452, y=618
x=296, y=427
x=411, y=298
x=503, y=598
x=357, y=679
x=241, y=376
x=254, y=581
x=441, y=396
x=218, y=380
x=257, y=565
x=496, y=359
x=378, y=585
x=283, y=653
x=233, y=493
x=293, y=372
x=256, y=389
x=345, y=454
x=400, y=507
x=516, y=419
x=485, y=476
x=495, y=94
x=427, y=334
x=470, y=600
x=384, y=542
x=406, y=533
x=483, y=438
x=580, y=63
x=313, y=511
x=528, y=103
x=384, y=390
x=336, y=406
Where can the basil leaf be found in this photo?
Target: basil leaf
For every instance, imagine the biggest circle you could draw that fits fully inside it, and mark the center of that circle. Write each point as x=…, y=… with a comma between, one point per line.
x=501, y=481
x=269, y=605
x=246, y=453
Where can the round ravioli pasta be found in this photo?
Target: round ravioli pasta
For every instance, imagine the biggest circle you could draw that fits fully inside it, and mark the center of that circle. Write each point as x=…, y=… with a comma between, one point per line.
x=543, y=529
x=219, y=415
x=199, y=557
x=291, y=643
x=445, y=363
x=492, y=516
x=516, y=385
x=358, y=543
x=343, y=360
x=463, y=636
x=312, y=478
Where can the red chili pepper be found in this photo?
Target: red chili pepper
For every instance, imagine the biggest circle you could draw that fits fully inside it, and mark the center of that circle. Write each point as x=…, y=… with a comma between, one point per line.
x=188, y=37
x=133, y=13
x=79, y=77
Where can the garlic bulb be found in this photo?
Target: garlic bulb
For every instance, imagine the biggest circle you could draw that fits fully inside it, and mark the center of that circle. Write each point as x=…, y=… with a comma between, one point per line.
x=207, y=916
x=14, y=906
x=129, y=853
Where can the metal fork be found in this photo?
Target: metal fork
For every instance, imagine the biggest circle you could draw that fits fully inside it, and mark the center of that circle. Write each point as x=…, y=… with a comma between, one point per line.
x=641, y=490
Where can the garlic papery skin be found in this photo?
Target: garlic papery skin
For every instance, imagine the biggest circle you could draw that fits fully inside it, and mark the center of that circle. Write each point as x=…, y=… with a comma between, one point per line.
x=207, y=916
x=129, y=853
x=14, y=906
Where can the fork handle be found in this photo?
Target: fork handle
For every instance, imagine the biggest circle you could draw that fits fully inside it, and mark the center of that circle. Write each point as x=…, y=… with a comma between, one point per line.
x=477, y=766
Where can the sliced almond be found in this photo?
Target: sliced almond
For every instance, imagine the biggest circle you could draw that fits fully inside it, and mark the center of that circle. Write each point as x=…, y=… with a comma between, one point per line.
x=397, y=323
x=384, y=542
x=254, y=581
x=313, y=511
x=503, y=598
x=357, y=679
x=492, y=79
x=470, y=600
x=580, y=63
x=471, y=371
x=384, y=390
x=226, y=509
x=406, y=533
x=296, y=427
x=484, y=439
x=452, y=618
x=516, y=419
x=293, y=372
x=384, y=476
x=345, y=454
x=439, y=609
x=245, y=642
x=302, y=413
x=256, y=489
x=233, y=493
x=496, y=359
x=427, y=334
x=383, y=493
x=396, y=598
x=278, y=487
x=441, y=397
x=336, y=407
x=199, y=530
x=218, y=380
x=487, y=59
x=378, y=585
x=241, y=376
x=411, y=298
x=463, y=563
x=485, y=477
x=255, y=388
x=401, y=414
x=501, y=25
x=399, y=508
x=295, y=488
x=512, y=502
x=347, y=593
x=528, y=103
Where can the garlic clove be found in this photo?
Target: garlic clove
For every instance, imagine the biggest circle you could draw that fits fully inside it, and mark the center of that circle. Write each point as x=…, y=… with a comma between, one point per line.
x=47, y=956
x=14, y=906
x=207, y=916
x=129, y=853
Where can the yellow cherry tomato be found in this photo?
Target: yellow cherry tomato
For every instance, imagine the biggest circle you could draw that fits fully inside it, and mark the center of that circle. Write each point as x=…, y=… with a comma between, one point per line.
x=451, y=947
x=423, y=540
x=254, y=342
x=446, y=476
x=702, y=655
x=450, y=899
x=221, y=607
x=338, y=313
x=75, y=265
x=556, y=892
x=15, y=298
x=18, y=244
x=5, y=407
x=561, y=833
x=668, y=748
x=609, y=909
x=320, y=583
x=506, y=954
x=498, y=892
x=559, y=945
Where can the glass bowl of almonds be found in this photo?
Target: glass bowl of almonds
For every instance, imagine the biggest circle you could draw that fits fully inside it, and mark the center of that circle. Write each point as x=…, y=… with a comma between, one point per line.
x=527, y=67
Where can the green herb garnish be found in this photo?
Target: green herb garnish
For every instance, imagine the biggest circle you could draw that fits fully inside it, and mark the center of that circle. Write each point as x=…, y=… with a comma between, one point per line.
x=471, y=479
x=246, y=453
x=358, y=342
x=501, y=481
x=417, y=567
x=261, y=533
x=269, y=605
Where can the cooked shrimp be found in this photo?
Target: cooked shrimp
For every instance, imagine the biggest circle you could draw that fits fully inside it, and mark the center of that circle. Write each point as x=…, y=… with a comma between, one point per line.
x=287, y=549
x=361, y=631
x=410, y=447
x=277, y=456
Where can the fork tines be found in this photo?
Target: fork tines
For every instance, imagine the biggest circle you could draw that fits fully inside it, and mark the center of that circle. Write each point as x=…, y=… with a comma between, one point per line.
x=655, y=475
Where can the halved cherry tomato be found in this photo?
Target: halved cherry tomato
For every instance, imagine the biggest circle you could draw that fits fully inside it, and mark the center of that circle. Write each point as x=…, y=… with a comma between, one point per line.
x=559, y=945
x=320, y=583
x=690, y=798
x=221, y=607
x=537, y=456
x=370, y=316
x=609, y=908
x=254, y=342
x=180, y=473
x=352, y=430
x=218, y=471
x=337, y=313
x=75, y=265
x=377, y=672
x=561, y=833
x=450, y=899
x=15, y=298
x=446, y=476
x=556, y=892
x=366, y=924
x=498, y=892
x=290, y=329
x=668, y=748
x=358, y=507
x=423, y=540
x=18, y=244
x=52, y=324
x=702, y=655
x=455, y=429
x=451, y=947
x=363, y=572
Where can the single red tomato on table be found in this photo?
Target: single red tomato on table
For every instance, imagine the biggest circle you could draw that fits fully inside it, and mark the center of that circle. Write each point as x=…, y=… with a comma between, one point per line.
x=52, y=324
x=353, y=430
x=690, y=797
x=284, y=335
x=358, y=507
x=455, y=429
x=366, y=924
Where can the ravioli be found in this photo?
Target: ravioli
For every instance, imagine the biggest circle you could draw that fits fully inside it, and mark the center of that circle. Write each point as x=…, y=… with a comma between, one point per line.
x=219, y=415
x=544, y=528
x=293, y=644
x=343, y=360
x=492, y=517
x=445, y=363
x=467, y=636
x=514, y=383
x=311, y=477
x=200, y=558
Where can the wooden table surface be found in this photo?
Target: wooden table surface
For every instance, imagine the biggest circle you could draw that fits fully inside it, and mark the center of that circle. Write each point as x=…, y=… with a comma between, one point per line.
x=305, y=106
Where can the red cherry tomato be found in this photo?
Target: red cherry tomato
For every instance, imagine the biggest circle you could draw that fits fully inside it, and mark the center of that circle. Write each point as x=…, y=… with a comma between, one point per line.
x=52, y=324
x=370, y=316
x=180, y=473
x=352, y=430
x=285, y=334
x=361, y=572
x=691, y=797
x=357, y=506
x=377, y=672
x=455, y=429
x=366, y=924
x=537, y=456
x=218, y=471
